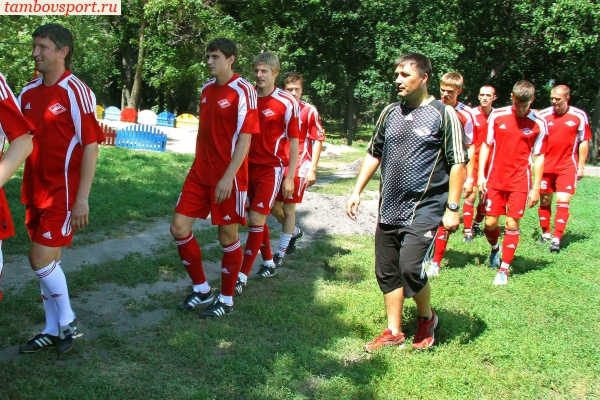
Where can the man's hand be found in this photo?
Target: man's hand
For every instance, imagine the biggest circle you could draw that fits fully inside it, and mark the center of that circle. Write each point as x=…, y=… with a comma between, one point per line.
x=482, y=184
x=311, y=177
x=451, y=221
x=352, y=206
x=468, y=188
x=79, y=214
x=580, y=173
x=287, y=189
x=223, y=189
x=534, y=197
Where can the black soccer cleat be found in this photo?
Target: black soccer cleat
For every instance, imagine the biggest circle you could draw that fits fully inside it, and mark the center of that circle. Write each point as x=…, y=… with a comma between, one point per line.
x=68, y=334
x=292, y=245
x=41, y=341
x=554, y=247
x=239, y=287
x=216, y=309
x=266, y=272
x=195, y=298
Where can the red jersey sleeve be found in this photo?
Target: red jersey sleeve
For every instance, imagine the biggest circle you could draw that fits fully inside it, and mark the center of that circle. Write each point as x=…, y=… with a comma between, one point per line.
x=12, y=122
x=293, y=122
x=83, y=112
x=539, y=146
x=248, y=109
x=315, y=129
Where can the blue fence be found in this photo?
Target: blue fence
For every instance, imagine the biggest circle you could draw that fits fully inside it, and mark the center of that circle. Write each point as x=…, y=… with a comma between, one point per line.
x=141, y=137
x=165, y=118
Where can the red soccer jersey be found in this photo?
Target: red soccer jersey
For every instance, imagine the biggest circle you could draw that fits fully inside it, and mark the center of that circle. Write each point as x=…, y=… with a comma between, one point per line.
x=225, y=112
x=64, y=117
x=310, y=130
x=515, y=139
x=480, y=132
x=465, y=113
x=12, y=122
x=565, y=131
x=278, y=117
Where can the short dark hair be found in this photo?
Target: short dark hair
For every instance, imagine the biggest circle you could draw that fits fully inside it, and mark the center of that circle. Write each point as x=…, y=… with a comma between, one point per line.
x=292, y=77
x=61, y=36
x=418, y=61
x=524, y=91
x=226, y=46
x=488, y=86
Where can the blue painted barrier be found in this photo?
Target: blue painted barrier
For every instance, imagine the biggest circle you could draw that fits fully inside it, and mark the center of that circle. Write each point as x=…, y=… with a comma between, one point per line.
x=141, y=137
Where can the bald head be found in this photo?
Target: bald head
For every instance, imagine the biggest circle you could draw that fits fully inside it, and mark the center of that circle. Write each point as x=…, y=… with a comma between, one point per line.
x=559, y=97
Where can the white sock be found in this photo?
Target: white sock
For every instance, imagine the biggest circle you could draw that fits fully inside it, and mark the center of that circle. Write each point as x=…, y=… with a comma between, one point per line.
x=51, y=310
x=202, y=288
x=226, y=299
x=284, y=241
x=504, y=265
x=54, y=278
x=556, y=240
x=243, y=277
x=269, y=263
x=496, y=246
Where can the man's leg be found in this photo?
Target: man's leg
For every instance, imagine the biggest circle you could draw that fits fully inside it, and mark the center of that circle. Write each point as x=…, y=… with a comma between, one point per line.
x=560, y=220
x=509, y=246
x=441, y=241
x=480, y=215
x=468, y=211
x=492, y=234
x=287, y=229
x=256, y=223
x=545, y=214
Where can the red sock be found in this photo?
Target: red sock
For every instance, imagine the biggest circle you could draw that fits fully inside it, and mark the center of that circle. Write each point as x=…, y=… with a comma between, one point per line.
x=509, y=245
x=441, y=240
x=468, y=216
x=230, y=267
x=545, y=213
x=560, y=219
x=265, y=247
x=191, y=258
x=255, y=238
x=492, y=235
x=480, y=212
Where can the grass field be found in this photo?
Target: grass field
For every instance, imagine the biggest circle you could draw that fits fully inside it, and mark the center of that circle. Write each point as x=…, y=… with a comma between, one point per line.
x=300, y=334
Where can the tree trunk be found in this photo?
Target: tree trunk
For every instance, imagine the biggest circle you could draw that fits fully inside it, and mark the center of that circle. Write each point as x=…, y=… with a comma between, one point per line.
x=350, y=117
x=595, y=142
x=136, y=90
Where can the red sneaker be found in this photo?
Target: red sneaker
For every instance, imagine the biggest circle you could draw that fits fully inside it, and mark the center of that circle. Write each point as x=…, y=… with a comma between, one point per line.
x=425, y=336
x=385, y=339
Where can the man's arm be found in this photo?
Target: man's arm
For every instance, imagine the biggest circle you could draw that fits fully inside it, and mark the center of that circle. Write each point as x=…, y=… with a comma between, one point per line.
x=81, y=208
x=225, y=184
x=468, y=186
x=19, y=149
x=288, y=182
x=311, y=177
x=367, y=169
x=484, y=153
x=538, y=170
x=457, y=177
x=583, y=153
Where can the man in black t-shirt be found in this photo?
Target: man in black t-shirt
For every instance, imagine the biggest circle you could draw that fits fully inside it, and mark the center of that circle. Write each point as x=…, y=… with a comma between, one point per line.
x=419, y=144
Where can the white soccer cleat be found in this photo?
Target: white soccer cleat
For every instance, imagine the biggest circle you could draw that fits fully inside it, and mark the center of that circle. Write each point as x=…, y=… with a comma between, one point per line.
x=501, y=278
x=433, y=270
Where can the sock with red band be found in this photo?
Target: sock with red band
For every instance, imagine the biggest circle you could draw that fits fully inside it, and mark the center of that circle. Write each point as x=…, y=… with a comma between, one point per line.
x=492, y=235
x=545, y=213
x=480, y=213
x=191, y=258
x=441, y=240
x=560, y=219
x=230, y=267
x=509, y=246
x=468, y=216
x=255, y=240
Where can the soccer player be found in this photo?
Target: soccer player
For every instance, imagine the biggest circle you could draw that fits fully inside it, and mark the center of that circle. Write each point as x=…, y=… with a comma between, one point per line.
x=568, y=136
x=487, y=96
x=312, y=136
x=419, y=144
x=269, y=155
x=451, y=86
x=14, y=128
x=58, y=175
x=217, y=183
x=516, y=133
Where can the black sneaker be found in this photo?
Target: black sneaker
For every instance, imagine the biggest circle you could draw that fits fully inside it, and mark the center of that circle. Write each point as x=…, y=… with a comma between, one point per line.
x=193, y=299
x=266, y=272
x=292, y=245
x=68, y=334
x=468, y=238
x=41, y=341
x=239, y=287
x=477, y=231
x=216, y=309
x=278, y=260
x=554, y=247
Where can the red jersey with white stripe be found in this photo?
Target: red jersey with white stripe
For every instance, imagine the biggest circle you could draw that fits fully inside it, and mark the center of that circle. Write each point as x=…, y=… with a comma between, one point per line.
x=278, y=116
x=465, y=113
x=64, y=117
x=565, y=131
x=225, y=112
x=515, y=140
x=480, y=131
x=310, y=130
x=12, y=123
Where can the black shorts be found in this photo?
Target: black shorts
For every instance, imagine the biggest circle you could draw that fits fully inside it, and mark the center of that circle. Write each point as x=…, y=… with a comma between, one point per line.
x=401, y=254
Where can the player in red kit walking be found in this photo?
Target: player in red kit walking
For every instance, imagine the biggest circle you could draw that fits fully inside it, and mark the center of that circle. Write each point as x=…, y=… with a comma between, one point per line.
x=278, y=115
x=217, y=183
x=568, y=136
x=15, y=129
x=58, y=175
x=516, y=133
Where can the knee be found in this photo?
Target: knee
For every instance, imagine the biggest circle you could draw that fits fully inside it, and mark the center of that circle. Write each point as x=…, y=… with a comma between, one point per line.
x=289, y=210
x=179, y=230
x=511, y=225
x=256, y=219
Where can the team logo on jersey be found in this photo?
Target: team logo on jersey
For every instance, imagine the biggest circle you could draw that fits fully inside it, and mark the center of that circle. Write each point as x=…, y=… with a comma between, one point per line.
x=526, y=131
x=550, y=123
x=502, y=126
x=428, y=234
x=28, y=106
x=56, y=109
x=47, y=235
x=227, y=218
x=268, y=112
x=224, y=103
x=204, y=100
x=571, y=123
x=261, y=205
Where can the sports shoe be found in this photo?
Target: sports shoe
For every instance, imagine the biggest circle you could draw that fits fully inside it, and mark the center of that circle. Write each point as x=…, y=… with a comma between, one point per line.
x=67, y=334
x=433, y=270
x=477, y=231
x=555, y=247
x=501, y=277
x=239, y=287
x=292, y=245
x=495, y=259
x=385, y=339
x=278, y=260
x=266, y=272
x=41, y=341
x=216, y=309
x=546, y=238
x=468, y=238
x=195, y=298
x=425, y=336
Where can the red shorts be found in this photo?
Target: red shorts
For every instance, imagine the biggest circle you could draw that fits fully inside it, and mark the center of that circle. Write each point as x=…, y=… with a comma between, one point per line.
x=197, y=201
x=299, y=188
x=7, y=229
x=497, y=201
x=49, y=226
x=563, y=183
x=263, y=186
